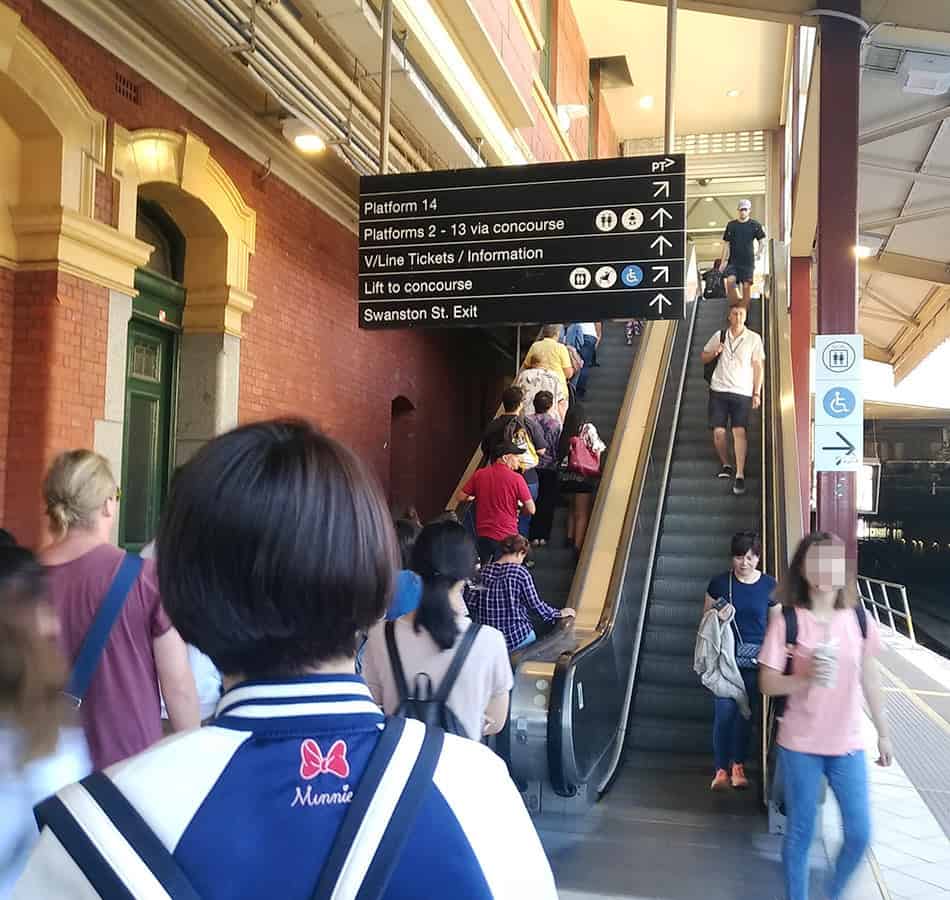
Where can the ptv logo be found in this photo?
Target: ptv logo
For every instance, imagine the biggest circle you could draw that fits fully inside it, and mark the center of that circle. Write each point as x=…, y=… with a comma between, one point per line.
x=661, y=165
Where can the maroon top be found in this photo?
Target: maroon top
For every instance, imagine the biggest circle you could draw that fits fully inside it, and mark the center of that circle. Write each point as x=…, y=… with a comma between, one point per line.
x=121, y=713
x=497, y=490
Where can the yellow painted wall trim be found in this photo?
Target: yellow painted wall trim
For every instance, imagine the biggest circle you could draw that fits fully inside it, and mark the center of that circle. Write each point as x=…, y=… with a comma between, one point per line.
x=32, y=68
x=549, y=115
x=219, y=227
x=53, y=237
x=524, y=12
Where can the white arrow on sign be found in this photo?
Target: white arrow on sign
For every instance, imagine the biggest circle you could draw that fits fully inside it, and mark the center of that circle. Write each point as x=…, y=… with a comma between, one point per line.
x=659, y=300
x=661, y=165
x=661, y=242
x=659, y=215
x=662, y=187
x=661, y=272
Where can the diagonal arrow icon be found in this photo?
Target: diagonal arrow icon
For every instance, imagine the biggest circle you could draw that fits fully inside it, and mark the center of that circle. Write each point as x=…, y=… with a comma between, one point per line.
x=661, y=272
x=662, y=187
x=660, y=243
x=659, y=214
x=658, y=302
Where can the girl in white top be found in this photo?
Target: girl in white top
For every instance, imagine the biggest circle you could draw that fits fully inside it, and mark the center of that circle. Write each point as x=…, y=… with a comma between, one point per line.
x=444, y=557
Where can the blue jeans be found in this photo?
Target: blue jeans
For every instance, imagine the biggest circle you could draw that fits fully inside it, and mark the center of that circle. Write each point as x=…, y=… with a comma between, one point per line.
x=848, y=779
x=730, y=731
x=588, y=353
x=524, y=520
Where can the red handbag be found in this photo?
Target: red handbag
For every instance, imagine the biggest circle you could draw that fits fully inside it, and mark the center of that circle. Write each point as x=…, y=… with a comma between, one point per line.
x=581, y=459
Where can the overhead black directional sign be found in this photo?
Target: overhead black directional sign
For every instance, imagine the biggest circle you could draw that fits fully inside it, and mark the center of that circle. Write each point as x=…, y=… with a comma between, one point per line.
x=557, y=242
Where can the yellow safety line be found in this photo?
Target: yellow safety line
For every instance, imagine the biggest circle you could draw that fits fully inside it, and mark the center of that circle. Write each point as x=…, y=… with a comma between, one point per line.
x=878, y=875
x=920, y=693
x=912, y=696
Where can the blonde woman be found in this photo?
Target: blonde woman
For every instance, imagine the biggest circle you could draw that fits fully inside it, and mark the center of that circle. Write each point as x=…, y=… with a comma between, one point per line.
x=121, y=713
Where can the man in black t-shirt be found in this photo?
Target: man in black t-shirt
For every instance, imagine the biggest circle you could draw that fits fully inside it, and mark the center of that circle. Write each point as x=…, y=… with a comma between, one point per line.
x=740, y=254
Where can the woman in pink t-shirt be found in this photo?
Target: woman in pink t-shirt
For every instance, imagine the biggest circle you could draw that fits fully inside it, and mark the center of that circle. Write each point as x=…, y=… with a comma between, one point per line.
x=820, y=734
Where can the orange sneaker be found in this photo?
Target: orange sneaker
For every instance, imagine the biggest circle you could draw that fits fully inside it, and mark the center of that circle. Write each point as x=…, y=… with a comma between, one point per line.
x=739, y=781
x=721, y=781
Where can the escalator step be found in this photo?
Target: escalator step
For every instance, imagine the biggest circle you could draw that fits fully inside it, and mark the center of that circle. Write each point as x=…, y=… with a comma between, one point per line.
x=746, y=506
x=705, y=543
x=675, y=703
x=666, y=671
x=692, y=564
x=679, y=615
x=724, y=522
x=670, y=641
x=667, y=735
x=682, y=589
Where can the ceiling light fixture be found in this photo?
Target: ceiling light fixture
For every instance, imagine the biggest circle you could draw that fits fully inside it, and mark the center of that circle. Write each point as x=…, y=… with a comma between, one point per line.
x=304, y=137
x=646, y=102
x=713, y=224
x=734, y=92
x=709, y=199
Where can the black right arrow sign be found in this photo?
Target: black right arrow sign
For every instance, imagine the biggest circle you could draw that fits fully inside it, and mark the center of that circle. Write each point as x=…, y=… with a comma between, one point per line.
x=847, y=447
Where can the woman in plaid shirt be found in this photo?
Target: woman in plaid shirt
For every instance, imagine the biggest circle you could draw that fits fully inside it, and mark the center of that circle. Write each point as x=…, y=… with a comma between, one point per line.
x=506, y=594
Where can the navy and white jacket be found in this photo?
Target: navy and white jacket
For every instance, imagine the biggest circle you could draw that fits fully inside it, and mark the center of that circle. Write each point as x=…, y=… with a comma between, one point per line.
x=249, y=806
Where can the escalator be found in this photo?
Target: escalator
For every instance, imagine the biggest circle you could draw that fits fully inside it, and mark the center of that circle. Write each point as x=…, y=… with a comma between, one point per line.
x=672, y=716
x=627, y=723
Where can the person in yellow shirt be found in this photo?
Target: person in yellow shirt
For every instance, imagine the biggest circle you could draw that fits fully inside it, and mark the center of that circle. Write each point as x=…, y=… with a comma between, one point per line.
x=552, y=354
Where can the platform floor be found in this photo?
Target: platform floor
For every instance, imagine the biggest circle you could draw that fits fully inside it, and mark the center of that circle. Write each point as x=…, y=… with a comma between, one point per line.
x=661, y=835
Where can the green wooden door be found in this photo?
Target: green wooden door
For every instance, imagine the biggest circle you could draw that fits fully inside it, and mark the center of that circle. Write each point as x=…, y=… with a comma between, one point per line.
x=150, y=393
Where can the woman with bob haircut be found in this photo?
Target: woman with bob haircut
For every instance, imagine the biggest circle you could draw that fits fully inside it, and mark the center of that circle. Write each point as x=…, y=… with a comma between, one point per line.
x=427, y=639
x=38, y=755
x=833, y=667
x=275, y=551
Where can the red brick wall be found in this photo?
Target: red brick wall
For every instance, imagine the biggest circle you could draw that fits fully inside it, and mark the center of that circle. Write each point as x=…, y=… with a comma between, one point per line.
x=302, y=351
x=57, y=387
x=105, y=199
x=573, y=71
x=6, y=364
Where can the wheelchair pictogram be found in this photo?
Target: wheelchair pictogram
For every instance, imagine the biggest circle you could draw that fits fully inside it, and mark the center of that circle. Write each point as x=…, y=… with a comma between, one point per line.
x=839, y=402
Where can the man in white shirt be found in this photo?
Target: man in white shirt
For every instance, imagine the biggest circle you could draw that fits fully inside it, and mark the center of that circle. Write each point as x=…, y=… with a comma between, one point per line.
x=734, y=391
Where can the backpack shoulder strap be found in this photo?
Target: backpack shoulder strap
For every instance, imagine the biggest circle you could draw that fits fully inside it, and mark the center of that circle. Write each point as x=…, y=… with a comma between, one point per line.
x=722, y=336
x=461, y=654
x=137, y=863
x=398, y=778
x=399, y=674
x=862, y=615
x=87, y=661
x=791, y=624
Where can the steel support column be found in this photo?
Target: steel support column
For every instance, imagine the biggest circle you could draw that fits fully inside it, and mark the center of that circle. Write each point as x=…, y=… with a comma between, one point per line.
x=838, y=230
x=386, y=78
x=800, y=293
x=669, y=128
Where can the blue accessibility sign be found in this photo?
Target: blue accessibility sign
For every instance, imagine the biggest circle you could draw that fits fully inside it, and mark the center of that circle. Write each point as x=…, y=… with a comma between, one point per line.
x=839, y=402
x=631, y=276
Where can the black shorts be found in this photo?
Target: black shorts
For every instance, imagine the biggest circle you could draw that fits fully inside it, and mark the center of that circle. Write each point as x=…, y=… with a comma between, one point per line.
x=725, y=408
x=742, y=274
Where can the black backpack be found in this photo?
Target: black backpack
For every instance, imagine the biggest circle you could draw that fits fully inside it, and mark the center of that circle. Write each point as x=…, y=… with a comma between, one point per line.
x=715, y=285
x=710, y=367
x=427, y=706
x=791, y=639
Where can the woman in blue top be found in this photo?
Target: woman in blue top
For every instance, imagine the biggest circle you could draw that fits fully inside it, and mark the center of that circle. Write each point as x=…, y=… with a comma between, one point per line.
x=748, y=592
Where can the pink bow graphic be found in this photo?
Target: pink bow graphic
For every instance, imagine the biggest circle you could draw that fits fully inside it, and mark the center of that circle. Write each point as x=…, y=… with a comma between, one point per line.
x=314, y=763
